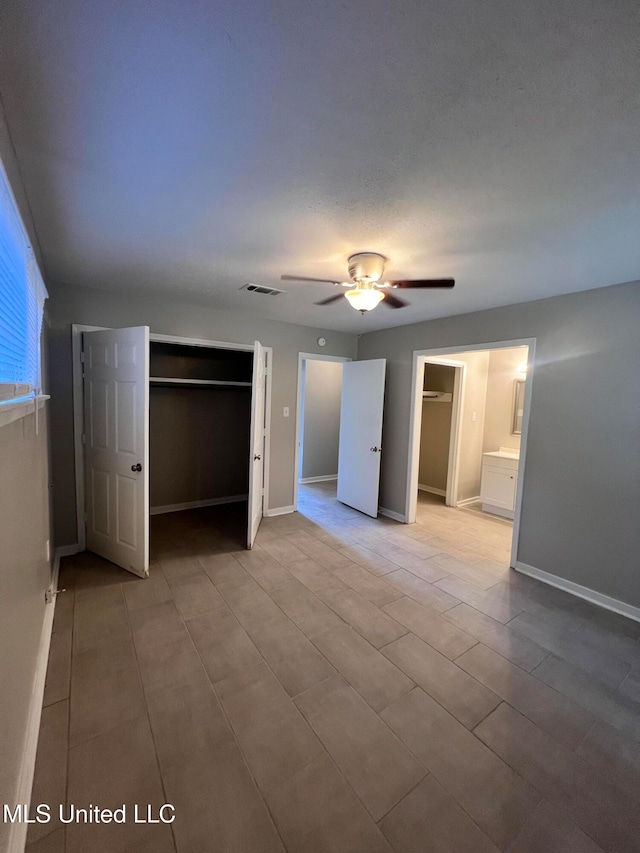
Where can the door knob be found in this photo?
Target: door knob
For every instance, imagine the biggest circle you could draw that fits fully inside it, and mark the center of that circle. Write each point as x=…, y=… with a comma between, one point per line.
x=257, y=458
x=137, y=467
x=375, y=449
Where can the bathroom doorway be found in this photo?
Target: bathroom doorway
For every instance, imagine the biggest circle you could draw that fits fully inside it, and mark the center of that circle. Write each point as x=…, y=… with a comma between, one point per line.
x=470, y=411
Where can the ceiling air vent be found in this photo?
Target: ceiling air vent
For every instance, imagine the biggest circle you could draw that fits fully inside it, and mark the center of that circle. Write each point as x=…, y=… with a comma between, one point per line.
x=260, y=288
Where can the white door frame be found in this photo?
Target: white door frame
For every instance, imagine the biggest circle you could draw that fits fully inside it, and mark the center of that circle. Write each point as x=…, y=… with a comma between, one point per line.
x=78, y=408
x=420, y=358
x=302, y=357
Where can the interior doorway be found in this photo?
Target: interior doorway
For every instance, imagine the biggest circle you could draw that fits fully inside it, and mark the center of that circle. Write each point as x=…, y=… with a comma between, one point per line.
x=470, y=413
x=317, y=419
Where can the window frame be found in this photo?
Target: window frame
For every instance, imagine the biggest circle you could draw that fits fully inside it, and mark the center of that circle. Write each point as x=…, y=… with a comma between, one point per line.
x=20, y=398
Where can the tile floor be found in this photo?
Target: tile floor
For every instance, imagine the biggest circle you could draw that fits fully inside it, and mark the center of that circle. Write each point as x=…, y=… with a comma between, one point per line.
x=349, y=685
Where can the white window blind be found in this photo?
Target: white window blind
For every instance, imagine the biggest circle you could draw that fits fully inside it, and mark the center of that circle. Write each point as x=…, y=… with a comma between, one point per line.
x=22, y=297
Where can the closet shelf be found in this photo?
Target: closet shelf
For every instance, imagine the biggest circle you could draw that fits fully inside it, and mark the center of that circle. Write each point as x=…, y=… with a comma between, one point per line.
x=169, y=380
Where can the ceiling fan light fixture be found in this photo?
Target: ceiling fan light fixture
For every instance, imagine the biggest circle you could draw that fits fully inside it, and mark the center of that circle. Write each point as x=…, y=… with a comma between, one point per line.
x=364, y=300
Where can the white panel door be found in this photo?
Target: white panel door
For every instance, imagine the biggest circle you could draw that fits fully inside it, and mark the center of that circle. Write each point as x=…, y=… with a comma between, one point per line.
x=116, y=426
x=361, y=434
x=256, y=450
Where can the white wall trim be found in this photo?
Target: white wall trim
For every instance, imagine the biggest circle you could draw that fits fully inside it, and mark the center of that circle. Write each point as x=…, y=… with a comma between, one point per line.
x=18, y=831
x=322, y=479
x=389, y=513
x=279, y=510
x=230, y=499
x=432, y=490
x=580, y=591
x=302, y=357
x=13, y=410
x=468, y=501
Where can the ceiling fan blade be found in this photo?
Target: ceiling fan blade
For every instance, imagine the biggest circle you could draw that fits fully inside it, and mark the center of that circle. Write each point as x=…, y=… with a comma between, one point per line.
x=425, y=282
x=330, y=299
x=305, y=278
x=393, y=301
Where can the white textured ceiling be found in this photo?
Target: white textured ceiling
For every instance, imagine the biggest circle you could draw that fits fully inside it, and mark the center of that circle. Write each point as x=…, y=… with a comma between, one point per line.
x=190, y=146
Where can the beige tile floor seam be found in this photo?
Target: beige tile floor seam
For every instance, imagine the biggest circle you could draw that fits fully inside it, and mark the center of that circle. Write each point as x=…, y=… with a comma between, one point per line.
x=325, y=752
x=465, y=799
x=319, y=599
x=231, y=728
x=162, y=782
x=347, y=624
x=249, y=770
x=327, y=755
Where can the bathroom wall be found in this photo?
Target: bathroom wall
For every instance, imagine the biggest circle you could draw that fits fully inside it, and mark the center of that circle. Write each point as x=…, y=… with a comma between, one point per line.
x=504, y=368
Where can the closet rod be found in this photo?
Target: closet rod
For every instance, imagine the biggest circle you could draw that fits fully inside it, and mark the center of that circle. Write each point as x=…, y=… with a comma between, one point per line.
x=169, y=380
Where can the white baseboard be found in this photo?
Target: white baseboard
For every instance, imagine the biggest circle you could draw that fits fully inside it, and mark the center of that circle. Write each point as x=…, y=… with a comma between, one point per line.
x=65, y=551
x=304, y=480
x=389, y=513
x=468, y=501
x=18, y=831
x=279, y=510
x=231, y=499
x=432, y=490
x=580, y=591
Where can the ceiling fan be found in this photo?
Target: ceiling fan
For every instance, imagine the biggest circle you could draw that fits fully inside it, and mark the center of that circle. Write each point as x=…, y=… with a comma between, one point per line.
x=366, y=291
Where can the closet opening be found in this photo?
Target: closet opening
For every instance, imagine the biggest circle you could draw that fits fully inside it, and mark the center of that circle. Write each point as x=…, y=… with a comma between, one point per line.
x=199, y=426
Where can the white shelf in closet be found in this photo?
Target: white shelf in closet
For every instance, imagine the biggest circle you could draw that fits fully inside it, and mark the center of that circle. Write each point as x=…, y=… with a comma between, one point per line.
x=171, y=380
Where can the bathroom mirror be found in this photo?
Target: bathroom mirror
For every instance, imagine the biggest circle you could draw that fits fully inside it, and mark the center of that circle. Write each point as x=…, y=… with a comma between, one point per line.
x=518, y=407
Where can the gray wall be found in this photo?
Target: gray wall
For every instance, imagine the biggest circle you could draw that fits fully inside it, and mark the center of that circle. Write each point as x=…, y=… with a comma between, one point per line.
x=581, y=500
x=173, y=317
x=24, y=572
x=321, y=418
x=504, y=367
x=198, y=444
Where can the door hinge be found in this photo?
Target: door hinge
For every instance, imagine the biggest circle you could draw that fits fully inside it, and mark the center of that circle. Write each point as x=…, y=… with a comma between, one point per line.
x=82, y=356
x=84, y=438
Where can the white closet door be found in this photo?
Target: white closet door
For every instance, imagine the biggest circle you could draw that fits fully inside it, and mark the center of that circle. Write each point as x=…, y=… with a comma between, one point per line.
x=116, y=418
x=361, y=412
x=257, y=444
